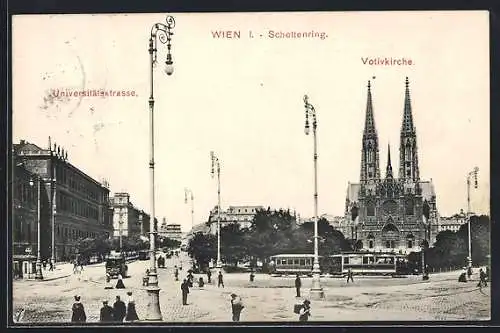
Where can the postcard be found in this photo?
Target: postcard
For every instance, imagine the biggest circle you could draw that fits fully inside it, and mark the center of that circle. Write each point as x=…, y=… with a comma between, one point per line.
x=175, y=168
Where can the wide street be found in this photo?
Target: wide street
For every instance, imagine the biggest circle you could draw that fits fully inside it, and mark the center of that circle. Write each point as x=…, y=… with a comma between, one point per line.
x=266, y=299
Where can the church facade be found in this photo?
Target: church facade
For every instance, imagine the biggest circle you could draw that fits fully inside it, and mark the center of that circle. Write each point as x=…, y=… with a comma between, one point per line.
x=386, y=213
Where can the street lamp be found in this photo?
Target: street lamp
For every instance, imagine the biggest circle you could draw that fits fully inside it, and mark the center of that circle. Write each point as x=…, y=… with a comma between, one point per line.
x=186, y=192
x=120, y=223
x=163, y=33
x=316, y=289
x=471, y=174
x=216, y=163
x=38, y=274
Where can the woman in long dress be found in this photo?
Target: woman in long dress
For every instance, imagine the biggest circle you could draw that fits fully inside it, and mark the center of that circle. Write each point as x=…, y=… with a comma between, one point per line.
x=119, y=284
x=131, y=313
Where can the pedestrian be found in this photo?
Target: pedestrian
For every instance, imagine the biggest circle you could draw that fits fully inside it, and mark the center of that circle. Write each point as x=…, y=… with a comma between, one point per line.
x=131, y=313
x=176, y=274
x=252, y=276
x=190, y=278
x=482, y=279
x=487, y=273
x=119, y=310
x=298, y=284
x=75, y=267
x=106, y=313
x=185, y=291
x=145, y=278
x=119, y=283
x=108, y=282
x=305, y=311
x=45, y=265
x=209, y=276
x=220, y=280
x=350, y=275
x=201, y=283
x=236, y=306
x=462, y=277
x=469, y=272
x=51, y=267
x=78, y=315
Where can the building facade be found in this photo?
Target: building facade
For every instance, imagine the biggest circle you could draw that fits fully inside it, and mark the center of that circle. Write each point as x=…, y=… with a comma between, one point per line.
x=243, y=215
x=172, y=231
x=73, y=205
x=128, y=220
x=386, y=214
x=452, y=223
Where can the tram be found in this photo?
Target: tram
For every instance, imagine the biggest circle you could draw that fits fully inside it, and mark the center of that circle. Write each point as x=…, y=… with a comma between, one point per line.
x=360, y=263
x=366, y=263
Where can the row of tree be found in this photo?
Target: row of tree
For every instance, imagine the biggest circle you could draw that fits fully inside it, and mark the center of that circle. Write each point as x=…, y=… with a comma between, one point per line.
x=275, y=231
x=451, y=248
x=101, y=246
x=271, y=232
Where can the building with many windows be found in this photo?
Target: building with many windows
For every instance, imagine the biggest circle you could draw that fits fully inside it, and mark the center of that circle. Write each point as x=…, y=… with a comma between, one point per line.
x=387, y=214
x=73, y=205
x=243, y=215
x=452, y=223
x=128, y=220
x=172, y=231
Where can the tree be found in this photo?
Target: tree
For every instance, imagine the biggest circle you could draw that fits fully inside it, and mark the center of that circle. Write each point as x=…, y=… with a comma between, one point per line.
x=202, y=248
x=169, y=243
x=233, y=247
x=480, y=238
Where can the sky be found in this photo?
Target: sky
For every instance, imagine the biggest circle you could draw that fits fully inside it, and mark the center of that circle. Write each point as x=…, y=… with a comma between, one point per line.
x=243, y=99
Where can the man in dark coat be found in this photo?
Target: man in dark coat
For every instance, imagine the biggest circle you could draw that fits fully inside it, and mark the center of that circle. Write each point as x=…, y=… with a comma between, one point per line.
x=106, y=313
x=209, y=276
x=298, y=284
x=220, y=280
x=119, y=309
x=350, y=276
x=78, y=310
x=176, y=274
x=185, y=291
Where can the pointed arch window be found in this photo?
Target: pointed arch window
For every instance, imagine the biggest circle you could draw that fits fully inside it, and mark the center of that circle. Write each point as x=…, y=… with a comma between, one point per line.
x=370, y=209
x=409, y=207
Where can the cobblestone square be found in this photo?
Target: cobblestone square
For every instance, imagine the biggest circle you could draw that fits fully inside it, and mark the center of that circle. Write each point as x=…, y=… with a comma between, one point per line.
x=266, y=299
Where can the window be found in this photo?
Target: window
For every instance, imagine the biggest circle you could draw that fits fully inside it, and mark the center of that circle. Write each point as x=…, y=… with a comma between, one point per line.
x=296, y=262
x=388, y=244
x=410, y=244
x=370, y=244
x=346, y=260
x=370, y=210
x=365, y=260
x=302, y=262
x=409, y=207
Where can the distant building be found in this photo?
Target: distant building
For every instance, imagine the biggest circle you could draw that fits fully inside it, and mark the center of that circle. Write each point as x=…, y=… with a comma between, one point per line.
x=243, y=215
x=172, y=231
x=452, y=223
x=128, y=220
x=73, y=205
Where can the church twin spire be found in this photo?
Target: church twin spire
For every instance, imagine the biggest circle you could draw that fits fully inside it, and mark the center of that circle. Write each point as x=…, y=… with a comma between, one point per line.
x=408, y=166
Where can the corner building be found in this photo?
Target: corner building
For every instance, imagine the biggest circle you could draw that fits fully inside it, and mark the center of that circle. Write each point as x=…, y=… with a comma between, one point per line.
x=388, y=212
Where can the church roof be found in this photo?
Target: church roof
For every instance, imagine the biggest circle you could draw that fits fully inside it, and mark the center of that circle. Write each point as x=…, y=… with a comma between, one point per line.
x=427, y=190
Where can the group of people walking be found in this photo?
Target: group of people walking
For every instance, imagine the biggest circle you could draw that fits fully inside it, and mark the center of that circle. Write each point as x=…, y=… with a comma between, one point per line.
x=119, y=312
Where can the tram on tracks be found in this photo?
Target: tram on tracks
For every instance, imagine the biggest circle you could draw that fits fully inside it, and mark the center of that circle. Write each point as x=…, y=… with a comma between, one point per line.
x=360, y=263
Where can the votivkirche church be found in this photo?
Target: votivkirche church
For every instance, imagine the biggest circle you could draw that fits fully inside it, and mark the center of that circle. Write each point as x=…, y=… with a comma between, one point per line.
x=386, y=213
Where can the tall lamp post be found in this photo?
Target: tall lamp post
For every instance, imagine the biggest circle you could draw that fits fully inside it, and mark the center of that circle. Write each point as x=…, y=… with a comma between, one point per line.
x=316, y=289
x=216, y=164
x=38, y=274
x=186, y=192
x=120, y=223
x=471, y=174
x=163, y=33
